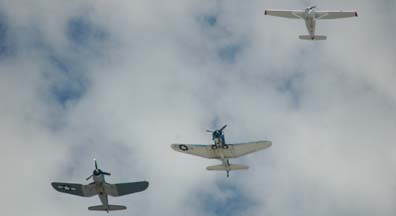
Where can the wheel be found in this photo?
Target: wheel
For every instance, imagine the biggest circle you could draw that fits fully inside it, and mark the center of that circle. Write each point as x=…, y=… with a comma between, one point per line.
x=225, y=146
x=214, y=146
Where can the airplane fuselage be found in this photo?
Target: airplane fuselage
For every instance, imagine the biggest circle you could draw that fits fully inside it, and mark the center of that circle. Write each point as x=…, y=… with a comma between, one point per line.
x=219, y=145
x=99, y=181
x=310, y=22
x=218, y=139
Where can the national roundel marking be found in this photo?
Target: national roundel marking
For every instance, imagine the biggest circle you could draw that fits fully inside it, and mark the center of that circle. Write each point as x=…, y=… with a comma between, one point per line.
x=183, y=147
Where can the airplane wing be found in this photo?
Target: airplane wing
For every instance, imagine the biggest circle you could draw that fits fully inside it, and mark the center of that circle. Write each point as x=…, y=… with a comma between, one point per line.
x=291, y=14
x=199, y=150
x=240, y=149
x=335, y=14
x=128, y=188
x=75, y=189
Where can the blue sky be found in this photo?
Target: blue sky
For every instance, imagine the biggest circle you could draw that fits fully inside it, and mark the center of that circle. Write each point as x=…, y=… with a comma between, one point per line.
x=121, y=81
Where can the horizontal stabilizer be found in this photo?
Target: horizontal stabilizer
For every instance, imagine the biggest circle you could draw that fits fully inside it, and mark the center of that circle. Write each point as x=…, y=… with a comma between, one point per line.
x=107, y=208
x=230, y=167
x=314, y=37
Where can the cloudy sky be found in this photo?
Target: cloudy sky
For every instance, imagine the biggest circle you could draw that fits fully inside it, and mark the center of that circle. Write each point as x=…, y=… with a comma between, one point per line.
x=121, y=80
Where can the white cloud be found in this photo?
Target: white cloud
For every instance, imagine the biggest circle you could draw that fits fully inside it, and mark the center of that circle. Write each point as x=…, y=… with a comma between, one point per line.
x=159, y=76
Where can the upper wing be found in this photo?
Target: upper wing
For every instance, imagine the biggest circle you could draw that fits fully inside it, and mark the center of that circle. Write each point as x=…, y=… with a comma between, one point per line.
x=291, y=14
x=75, y=189
x=240, y=149
x=335, y=14
x=199, y=150
x=127, y=188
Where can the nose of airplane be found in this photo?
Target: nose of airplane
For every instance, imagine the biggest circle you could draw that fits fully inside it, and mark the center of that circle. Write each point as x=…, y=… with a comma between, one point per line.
x=96, y=172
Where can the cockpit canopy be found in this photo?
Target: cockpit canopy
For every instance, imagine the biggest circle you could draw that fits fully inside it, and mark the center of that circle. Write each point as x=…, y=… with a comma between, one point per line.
x=309, y=9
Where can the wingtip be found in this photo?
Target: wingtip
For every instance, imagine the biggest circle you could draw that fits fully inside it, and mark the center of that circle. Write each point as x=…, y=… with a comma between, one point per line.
x=269, y=144
x=263, y=144
x=146, y=184
x=53, y=184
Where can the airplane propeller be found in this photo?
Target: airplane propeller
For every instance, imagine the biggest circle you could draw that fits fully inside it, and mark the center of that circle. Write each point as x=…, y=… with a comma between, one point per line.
x=221, y=129
x=89, y=177
x=97, y=171
x=105, y=173
x=96, y=163
x=312, y=7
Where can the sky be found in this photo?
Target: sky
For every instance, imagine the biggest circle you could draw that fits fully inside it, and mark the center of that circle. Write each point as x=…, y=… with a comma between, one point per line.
x=120, y=81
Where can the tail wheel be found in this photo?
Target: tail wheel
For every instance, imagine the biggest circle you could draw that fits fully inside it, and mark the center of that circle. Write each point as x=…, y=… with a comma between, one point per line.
x=214, y=146
x=225, y=146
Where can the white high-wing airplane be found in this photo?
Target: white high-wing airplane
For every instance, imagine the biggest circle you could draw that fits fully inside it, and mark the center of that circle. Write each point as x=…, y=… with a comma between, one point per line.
x=101, y=188
x=222, y=151
x=310, y=15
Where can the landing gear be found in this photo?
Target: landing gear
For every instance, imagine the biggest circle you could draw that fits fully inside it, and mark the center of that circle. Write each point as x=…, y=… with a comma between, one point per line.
x=228, y=173
x=222, y=146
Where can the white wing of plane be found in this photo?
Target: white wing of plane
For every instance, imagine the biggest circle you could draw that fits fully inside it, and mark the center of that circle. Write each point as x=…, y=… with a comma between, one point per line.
x=205, y=151
x=75, y=189
x=335, y=14
x=240, y=149
x=233, y=150
x=291, y=14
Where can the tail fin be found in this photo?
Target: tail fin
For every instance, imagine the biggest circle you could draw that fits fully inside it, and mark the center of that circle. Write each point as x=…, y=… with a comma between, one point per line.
x=106, y=208
x=230, y=167
x=313, y=37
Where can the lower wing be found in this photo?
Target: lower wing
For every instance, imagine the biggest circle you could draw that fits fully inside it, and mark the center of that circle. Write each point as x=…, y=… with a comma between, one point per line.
x=122, y=189
x=335, y=14
x=75, y=189
x=199, y=150
x=291, y=14
x=240, y=149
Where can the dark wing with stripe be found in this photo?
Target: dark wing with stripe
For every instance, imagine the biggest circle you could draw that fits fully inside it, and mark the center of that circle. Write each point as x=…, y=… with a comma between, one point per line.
x=131, y=187
x=75, y=189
